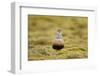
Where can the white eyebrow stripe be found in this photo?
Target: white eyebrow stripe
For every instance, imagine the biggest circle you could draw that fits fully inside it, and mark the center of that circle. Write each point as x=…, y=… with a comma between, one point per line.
x=59, y=35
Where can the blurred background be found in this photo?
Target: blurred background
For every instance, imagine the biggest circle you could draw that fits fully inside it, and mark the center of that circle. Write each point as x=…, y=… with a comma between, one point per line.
x=41, y=33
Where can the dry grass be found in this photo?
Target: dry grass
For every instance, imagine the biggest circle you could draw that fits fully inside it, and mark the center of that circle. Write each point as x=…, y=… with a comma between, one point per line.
x=41, y=33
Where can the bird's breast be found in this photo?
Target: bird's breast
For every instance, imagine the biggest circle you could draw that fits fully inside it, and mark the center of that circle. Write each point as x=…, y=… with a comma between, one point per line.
x=58, y=44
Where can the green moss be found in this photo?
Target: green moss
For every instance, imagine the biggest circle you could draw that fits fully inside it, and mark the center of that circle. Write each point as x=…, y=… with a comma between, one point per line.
x=41, y=33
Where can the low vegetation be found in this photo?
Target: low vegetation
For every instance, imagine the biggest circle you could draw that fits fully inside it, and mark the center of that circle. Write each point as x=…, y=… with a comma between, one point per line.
x=41, y=33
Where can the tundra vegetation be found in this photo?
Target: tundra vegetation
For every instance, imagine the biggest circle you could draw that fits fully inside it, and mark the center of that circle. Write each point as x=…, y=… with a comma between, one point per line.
x=41, y=33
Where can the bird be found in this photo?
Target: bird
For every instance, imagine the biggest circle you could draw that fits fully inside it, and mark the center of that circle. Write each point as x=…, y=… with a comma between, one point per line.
x=58, y=42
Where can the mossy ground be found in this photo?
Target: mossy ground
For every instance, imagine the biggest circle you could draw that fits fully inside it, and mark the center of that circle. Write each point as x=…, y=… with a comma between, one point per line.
x=41, y=33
